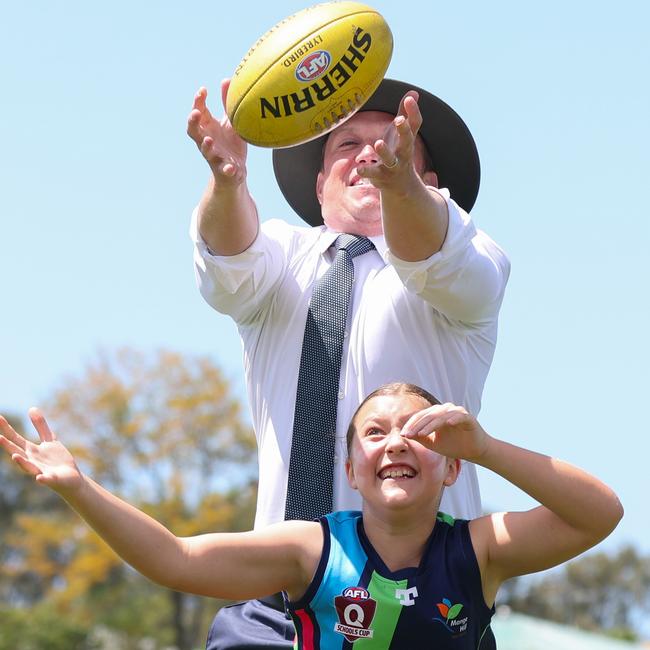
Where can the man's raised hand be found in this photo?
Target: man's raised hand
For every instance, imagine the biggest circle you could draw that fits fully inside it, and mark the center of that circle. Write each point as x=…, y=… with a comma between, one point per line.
x=218, y=142
x=396, y=150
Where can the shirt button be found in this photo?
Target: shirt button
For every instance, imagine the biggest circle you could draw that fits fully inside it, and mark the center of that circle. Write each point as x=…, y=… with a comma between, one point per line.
x=341, y=394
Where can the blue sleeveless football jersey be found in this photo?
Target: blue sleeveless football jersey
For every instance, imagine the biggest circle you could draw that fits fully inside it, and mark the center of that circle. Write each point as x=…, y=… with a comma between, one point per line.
x=355, y=602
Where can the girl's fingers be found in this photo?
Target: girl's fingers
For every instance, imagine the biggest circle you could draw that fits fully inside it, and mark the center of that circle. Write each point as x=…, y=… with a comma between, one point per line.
x=10, y=447
x=26, y=465
x=430, y=419
x=41, y=425
x=457, y=417
x=420, y=424
x=412, y=425
x=9, y=433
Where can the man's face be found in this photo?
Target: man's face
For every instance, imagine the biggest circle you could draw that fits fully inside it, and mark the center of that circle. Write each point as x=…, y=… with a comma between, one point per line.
x=349, y=203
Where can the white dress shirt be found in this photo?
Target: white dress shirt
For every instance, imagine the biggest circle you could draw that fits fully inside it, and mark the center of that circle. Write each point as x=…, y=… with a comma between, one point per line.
x=432, y=323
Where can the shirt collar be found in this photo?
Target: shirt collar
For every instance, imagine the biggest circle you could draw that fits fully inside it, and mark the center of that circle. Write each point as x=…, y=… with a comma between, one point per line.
x=327, y=238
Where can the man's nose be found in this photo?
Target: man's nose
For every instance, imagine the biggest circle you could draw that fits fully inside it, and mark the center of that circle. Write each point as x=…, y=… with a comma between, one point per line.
x=367, y=155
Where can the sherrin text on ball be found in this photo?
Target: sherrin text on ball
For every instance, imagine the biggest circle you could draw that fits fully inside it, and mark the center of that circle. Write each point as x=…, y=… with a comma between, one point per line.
x=308, y=73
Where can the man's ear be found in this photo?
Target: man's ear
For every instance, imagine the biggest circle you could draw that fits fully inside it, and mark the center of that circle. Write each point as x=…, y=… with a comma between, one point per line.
x=453, y=470
x=349, y=470
x=319, y=187
x=430, y=178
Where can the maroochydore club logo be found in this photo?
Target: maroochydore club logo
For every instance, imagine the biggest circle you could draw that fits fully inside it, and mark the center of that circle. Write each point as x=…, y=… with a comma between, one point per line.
x=450, y=613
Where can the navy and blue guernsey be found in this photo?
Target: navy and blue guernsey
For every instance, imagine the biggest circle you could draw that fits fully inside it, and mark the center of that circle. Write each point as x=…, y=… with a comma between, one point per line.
x=355, y=602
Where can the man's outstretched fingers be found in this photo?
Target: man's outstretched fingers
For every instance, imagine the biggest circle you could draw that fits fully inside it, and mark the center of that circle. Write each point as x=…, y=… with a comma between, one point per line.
x=225, y=84
x=410, y=110
x=412, y=94
x=200, y=98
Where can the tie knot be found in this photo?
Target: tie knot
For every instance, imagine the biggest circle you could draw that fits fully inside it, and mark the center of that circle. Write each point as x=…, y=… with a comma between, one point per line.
x=353, y=244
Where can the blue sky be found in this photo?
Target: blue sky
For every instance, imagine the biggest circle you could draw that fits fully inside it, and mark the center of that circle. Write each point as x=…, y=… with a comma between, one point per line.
x=99, y=180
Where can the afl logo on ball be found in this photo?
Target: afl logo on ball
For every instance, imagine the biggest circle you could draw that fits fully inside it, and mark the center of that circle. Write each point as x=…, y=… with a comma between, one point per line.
x=313, y=66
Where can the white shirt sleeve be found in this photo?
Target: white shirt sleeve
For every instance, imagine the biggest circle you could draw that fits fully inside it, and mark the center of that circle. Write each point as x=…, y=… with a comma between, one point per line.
x=465, y=280
x=239, y=285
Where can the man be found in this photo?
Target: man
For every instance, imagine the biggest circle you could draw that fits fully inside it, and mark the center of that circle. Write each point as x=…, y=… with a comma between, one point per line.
x=424, y=301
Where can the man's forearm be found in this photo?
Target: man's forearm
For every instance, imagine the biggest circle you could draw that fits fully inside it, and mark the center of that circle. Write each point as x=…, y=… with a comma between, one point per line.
x=415, y=222
x=227, y=218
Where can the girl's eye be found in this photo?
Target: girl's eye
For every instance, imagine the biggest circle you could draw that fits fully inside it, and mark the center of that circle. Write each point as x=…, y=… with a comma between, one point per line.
x=374, y=431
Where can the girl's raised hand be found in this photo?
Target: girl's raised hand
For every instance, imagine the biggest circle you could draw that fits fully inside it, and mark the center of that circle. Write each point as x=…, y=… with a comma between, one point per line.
x=48, y=461
x=448, y=430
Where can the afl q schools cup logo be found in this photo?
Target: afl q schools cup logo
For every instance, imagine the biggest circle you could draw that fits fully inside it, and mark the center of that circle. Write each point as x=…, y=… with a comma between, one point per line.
x=355, y=610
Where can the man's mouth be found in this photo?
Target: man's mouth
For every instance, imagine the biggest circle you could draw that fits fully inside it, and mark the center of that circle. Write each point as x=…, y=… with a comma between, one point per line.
x=357, y=181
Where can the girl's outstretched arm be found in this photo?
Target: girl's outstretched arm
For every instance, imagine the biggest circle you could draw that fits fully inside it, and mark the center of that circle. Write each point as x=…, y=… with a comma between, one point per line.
x=223, y=565
x=577, y=510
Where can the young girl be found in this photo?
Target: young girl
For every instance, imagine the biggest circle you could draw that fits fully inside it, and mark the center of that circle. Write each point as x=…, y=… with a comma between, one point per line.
x=400, y=575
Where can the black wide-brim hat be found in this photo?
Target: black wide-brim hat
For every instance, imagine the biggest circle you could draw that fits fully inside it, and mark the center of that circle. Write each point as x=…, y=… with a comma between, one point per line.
x=448, y=140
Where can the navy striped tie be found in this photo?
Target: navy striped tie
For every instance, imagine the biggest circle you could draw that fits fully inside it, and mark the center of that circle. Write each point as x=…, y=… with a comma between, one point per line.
x=311, y=468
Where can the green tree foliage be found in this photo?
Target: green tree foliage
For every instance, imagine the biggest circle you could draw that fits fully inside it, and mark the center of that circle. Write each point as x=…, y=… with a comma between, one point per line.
x=163, y=431
x=600, y=592
x=41, y=628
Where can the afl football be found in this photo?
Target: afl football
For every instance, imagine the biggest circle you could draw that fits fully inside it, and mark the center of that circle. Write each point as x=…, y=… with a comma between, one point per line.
x=309, y=73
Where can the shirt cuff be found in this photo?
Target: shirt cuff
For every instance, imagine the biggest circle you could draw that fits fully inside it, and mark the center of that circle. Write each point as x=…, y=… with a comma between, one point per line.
x=231, y=270
x=460, y=232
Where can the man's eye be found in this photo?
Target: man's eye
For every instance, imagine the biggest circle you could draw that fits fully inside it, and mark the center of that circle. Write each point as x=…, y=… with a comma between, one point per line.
x=347, y=143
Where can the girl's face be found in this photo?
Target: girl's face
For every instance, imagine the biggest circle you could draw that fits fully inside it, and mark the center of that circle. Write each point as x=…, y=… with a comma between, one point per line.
x=390, y=471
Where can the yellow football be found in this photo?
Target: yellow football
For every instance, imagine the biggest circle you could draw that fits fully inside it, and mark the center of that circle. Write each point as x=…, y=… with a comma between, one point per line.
x=307, y=74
